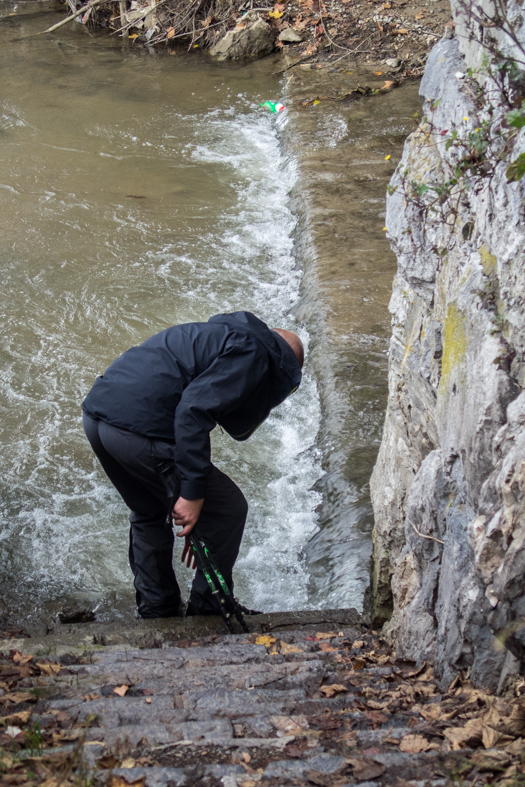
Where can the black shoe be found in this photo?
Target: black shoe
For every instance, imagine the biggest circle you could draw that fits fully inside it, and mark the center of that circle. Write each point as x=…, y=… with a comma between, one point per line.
x=192, y=610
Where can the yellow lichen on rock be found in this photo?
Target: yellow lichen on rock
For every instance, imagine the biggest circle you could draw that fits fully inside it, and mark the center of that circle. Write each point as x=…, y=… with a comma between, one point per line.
x=455, y=343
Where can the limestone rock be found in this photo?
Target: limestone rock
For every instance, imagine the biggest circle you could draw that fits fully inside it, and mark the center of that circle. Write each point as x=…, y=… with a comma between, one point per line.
x=249, y=40
x=448, y=488
x=290, y=36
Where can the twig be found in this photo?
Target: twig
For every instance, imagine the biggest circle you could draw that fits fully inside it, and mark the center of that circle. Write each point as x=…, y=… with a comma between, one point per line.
x=431, y=538
x=70, y=18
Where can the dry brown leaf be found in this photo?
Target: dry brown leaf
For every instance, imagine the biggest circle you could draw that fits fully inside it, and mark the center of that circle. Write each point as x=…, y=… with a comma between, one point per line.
x=129, y=762
x=15, y=719
x=48, y=669
x=19, y=659
x=435, y=713
x=109, y=761
x=375, y=705
x=326, y=648
x=171, y=32
x=489, y=761
x=17, y=696
x=492, y=738
x=413, y=744
x=366, y=769
x=515, y=724
x=121, y=781
x=358, y=644
x=286, y=648
x=89, y=697
x=325, y=634
x=358, y=663
x=121, y=690
x=470, y=734
x=516, y=747
x=333, y=689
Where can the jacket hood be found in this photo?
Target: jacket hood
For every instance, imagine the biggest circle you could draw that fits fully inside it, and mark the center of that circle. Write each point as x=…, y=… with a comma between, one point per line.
x=285, y=371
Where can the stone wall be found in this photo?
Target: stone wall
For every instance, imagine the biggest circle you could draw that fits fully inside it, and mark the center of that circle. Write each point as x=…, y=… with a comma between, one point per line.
x=448, y=488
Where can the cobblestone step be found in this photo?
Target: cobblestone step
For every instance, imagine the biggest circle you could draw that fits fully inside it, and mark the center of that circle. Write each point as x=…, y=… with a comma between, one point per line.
x=316, y=705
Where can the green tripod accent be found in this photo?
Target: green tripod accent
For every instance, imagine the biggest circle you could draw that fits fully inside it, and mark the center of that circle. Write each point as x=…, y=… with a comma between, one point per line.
x=228, y=605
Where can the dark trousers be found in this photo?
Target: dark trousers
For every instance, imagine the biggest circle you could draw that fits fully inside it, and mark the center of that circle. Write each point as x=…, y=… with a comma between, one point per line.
x=142, y=471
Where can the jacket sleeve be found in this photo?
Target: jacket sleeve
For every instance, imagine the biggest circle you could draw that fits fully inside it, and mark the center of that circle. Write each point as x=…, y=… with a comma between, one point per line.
x=223, y=387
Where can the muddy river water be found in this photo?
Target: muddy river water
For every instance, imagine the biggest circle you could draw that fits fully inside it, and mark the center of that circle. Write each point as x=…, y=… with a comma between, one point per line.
x=140, y=189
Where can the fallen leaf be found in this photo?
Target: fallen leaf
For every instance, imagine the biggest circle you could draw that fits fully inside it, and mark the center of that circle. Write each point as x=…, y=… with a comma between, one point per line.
x=121, y=781
x=297, y=748
x=375, y=705
x=171, y=32
x=358, y=663
x=358, y=644
x=48, y=669
x=89, y=697
x=129, y=762
x=324, y=646
x=333, y=689
x=516, y=747
x=132, y=36
x=378, y=74
x=285, y=648
x=492, y=738
x=494, y=760
x=17, y=696
x=376, y=716
x=148, y=700
x=516, y=722
x=108, y=761
x=413, y=744
x=471, y=734
x=275, y=14
x=21, y=660
x=22, y=717
x=121, y=690
x=401, y=32
x=246, y=757
x=265, y=639
x=366, y=769
x=387, y=84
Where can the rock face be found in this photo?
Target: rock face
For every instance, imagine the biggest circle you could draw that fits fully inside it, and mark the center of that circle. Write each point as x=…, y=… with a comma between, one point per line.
x=247, y=41
x=449, y=484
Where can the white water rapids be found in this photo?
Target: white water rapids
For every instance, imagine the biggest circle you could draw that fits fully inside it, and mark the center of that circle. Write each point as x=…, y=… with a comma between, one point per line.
x=136, y=191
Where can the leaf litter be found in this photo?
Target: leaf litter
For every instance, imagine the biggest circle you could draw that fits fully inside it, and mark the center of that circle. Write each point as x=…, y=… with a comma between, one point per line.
x=375, y=703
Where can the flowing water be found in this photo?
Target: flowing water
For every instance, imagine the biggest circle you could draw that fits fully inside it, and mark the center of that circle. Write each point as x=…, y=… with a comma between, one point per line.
x=139, y=190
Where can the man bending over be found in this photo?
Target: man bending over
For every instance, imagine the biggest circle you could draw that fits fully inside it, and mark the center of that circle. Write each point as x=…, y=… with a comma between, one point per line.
x=148, y=419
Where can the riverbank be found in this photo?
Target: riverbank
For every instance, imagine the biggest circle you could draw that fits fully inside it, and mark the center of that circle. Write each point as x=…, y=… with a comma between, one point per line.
x=396, y=34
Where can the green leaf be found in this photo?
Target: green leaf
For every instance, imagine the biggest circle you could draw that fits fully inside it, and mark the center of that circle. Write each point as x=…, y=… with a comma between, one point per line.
x=516, y=170
x=516, y=118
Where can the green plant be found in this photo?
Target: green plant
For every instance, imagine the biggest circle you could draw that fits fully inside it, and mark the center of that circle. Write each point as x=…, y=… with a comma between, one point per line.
x=34, y=741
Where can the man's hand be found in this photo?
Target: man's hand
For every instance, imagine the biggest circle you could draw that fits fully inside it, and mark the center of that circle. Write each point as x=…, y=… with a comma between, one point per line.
x=185, y=514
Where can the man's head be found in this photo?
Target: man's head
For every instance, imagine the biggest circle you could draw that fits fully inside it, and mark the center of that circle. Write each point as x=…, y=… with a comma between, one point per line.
x=295, y=343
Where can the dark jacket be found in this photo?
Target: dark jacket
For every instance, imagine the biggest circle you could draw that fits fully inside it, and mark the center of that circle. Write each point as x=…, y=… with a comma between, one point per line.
x=183, y=381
